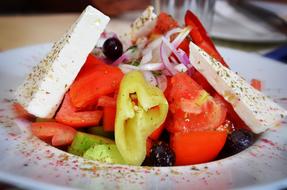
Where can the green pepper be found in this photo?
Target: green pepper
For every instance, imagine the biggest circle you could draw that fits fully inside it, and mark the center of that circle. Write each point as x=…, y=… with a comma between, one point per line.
x=141, y=109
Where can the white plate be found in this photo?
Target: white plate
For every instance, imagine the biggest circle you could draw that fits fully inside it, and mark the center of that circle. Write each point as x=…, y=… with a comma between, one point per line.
x=232, y=25
x=31, y=163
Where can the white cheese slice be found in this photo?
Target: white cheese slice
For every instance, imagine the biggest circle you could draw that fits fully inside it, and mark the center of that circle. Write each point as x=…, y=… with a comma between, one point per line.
x=144, y=24
x=253, y=107
x=43, y=90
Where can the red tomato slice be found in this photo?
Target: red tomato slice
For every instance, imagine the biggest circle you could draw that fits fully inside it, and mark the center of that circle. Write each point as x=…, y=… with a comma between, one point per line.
x=109, y=108
x=149, y=144
x=105, y=101
x=191, y=107
x=58, y=134
x=68, y=115
x=156, y=134
x=199, y=78
x=231, y=114
x=109, y=118
x=164, y=23
x=196, y=147
x=200, y=37
x=89, y=65
x=96, y=79
x=256, y=84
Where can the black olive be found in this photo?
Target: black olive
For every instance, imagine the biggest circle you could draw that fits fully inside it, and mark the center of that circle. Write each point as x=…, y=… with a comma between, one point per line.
x=113, y=48
x=162, y=155
x=238, y=140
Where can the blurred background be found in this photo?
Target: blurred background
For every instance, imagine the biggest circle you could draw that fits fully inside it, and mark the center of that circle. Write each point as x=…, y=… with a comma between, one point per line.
x=110, y=7
x=250, y=25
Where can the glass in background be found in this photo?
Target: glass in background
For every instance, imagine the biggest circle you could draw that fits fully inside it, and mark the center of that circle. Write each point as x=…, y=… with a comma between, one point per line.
x=204, y=9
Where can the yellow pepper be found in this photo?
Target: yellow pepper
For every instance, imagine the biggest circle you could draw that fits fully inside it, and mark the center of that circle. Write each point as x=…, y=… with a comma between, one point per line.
x=141, y=108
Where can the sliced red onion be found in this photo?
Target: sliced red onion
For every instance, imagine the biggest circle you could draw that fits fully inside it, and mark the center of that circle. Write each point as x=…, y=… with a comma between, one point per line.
x=145, y=67
x=172, y=31
x=162, y=82
x=180, y=37
x=141, y=42
x=128, y=55
x=180, y=55
x=152, y=66
x=181, y=68
x=131, y=67
x=125, y=69
x=152, y=45
x=165, y=60
x=184, y=58
x=171, y=48
x=173, y=60
x=121, y=59
x=150, y=77
x=146, y=58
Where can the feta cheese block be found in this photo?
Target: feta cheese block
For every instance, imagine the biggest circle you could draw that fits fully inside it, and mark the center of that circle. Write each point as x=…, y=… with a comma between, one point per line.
x=44, y=88
x=144, y=24
x=253, y=107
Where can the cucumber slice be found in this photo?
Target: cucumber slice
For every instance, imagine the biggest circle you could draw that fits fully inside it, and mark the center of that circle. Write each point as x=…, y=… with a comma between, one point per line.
x=83, y=141
x=108, y=153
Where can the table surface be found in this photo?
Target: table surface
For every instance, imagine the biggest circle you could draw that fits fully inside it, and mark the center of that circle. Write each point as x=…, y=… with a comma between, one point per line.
x=22, y=30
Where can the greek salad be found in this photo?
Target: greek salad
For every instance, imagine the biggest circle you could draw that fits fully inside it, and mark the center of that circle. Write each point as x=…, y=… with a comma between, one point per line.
x=162, y=95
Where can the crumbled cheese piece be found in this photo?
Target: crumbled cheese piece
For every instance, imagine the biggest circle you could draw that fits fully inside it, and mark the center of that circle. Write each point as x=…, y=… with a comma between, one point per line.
x=143, y=24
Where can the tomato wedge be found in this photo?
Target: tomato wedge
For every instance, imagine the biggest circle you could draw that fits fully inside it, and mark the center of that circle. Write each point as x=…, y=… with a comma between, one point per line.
x=96, y=79
x=200, y=37
x=196, y=147
x=256, y=84
x=109, y=110
x=164, y=23
x=69, y=115
x=109, y=118
x=55, y=133
x=192, y=108
x=231, y=114
x=105, y=101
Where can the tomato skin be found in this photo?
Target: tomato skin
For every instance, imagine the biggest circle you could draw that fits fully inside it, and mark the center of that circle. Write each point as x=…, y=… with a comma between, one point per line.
x=156, y=134
x=257, y=84
x=200, y=36
x=149, y=144
x=199, y=78
x=109, y=118
x=164, y=23
x=231, y=114
x=182, y=86
x=209, y=119
x=109, y=112
x=196, y=147
x=69, y=115
x=186, y=114
x=56, y=133
x=96, y=79
x=105, y=101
